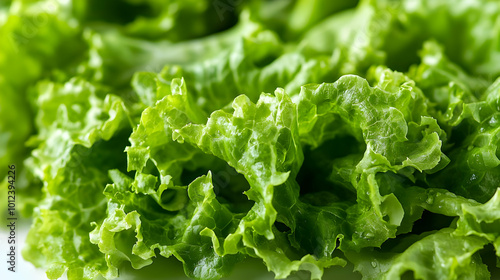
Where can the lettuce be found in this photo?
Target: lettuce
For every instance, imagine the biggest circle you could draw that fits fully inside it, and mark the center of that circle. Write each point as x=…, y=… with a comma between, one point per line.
x=310, y=136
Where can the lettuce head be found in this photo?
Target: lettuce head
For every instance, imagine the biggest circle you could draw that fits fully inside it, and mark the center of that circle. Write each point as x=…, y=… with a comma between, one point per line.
x=313, y=138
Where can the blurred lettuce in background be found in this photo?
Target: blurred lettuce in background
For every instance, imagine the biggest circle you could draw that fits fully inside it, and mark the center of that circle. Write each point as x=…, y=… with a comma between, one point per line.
x=301, y=134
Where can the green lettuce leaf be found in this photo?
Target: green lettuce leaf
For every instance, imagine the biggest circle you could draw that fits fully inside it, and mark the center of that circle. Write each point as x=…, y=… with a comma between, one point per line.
x=80, y=131
x=440, y=255
x=303, y=135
